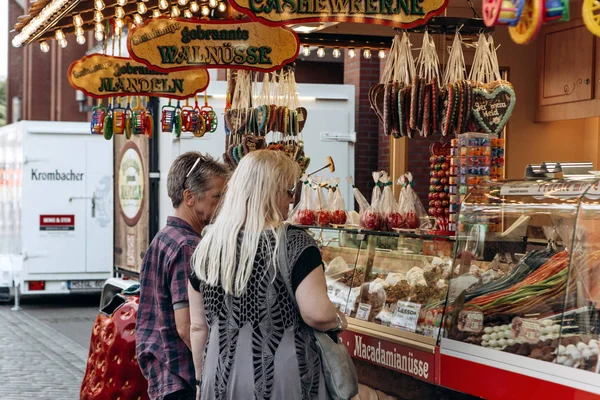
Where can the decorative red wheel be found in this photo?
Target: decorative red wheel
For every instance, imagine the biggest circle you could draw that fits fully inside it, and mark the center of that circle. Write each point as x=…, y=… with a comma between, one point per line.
x=491, y=11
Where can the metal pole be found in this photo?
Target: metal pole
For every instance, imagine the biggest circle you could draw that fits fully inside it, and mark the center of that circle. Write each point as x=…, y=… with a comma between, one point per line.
x=17, y=306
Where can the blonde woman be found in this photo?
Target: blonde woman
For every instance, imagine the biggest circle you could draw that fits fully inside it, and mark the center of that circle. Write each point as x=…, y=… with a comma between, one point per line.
x=248, y=339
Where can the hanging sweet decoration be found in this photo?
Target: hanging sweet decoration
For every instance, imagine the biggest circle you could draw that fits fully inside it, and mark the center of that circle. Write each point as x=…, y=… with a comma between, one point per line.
x=208, y=114
x=273, y=120
x=502, y=12
x=493, y=98
x=192, y=121
x=525, y=17
x=456, y=94
x=427, y=82
x=171, y=119
x=391, y=98
x=439, y=188
x=591, y=16
x=143, y=123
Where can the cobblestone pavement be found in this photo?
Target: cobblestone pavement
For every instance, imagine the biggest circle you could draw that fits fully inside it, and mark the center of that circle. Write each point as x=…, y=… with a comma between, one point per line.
x=36, y=361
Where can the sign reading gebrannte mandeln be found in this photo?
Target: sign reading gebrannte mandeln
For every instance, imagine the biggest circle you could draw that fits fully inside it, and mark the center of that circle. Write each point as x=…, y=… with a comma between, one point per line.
x=99, y=76
x=179, y=44
x=398, y=13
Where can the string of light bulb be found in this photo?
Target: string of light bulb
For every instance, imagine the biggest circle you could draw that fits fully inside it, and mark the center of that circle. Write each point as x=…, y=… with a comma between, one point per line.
x=172, y=8
x=305, y=50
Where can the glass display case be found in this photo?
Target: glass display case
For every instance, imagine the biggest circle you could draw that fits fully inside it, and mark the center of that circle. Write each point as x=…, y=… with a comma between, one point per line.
x=526, y=276
x=394, y=283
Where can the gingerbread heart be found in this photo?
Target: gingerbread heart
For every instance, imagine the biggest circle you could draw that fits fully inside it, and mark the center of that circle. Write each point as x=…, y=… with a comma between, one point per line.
x=260, y=115
x=273, y=119
x=302, y=116
x=253, y=143
x=492, y=106
x=229, y=156
x=237, y=120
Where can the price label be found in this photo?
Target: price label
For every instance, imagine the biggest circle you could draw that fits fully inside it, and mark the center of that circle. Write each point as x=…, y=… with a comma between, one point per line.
x=470, y=321
x=364, y=311
x=528, y=330
x=406, y=316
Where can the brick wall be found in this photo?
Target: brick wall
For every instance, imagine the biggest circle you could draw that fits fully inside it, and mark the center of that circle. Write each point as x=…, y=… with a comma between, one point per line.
x=40, y=79
x=363, y=74
x=319, y=72
x=384, y=140
x=14, y=84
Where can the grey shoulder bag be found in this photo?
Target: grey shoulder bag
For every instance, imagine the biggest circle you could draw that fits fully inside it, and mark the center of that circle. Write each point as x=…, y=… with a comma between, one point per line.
x=338, y=369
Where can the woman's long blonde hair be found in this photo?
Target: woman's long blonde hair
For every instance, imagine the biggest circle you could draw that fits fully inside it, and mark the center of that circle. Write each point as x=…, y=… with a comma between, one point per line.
x=250, y=204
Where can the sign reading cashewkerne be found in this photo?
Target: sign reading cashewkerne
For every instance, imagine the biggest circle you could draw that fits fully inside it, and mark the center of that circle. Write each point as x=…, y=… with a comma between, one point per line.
x=99, y=76
x=398, y=13
x=176, y=44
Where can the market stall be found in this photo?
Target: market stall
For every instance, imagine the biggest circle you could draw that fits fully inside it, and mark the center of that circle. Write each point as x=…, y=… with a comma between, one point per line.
x=449, y=278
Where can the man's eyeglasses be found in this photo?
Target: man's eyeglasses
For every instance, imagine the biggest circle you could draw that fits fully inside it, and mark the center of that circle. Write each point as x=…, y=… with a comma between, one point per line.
x=191, y=170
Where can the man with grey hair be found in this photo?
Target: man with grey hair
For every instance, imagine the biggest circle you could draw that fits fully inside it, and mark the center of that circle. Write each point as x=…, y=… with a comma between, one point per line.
x=195, y=184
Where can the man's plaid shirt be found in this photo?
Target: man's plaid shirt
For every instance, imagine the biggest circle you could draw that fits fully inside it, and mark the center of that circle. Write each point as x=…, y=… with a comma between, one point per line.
x=165, y=360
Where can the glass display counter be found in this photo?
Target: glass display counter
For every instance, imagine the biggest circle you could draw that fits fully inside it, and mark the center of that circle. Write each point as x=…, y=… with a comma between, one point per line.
x=391, y=282
x=524, y=293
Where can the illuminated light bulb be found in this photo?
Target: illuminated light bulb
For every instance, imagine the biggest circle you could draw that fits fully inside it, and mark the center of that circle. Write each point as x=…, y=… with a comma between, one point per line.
x=182, y=2
x=99, y=27
x=137, y=18
x=163, y=4
x=213, y=3
x=121, y=2
x=321, y=52
x=222, y=6
x=188, y=14
x=367, y=54
x=98, y=5
x=175, y=12
x=205, y=11
x=99, y=35
x=77, y=20
x=63, y=43
x=381, y=54
x=81, y=39
x=337, y=52
x=141, y=7
x=59, y=35
x=98, y=17
x=118, y=30
x=119, y=23
x=44, y=46
x=119, y=12
x=79, y=31
x=306, y=51
x=156, y=13
x=351, y=52
x=194, y=7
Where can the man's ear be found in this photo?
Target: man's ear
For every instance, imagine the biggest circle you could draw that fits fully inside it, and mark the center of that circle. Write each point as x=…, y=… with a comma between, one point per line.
x=189, y=198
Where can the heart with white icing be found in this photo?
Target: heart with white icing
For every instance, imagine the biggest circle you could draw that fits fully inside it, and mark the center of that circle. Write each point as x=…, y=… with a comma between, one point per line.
x=492, y=106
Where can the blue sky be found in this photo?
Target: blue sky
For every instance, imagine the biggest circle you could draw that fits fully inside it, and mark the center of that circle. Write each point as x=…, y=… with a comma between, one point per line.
x=3, y=40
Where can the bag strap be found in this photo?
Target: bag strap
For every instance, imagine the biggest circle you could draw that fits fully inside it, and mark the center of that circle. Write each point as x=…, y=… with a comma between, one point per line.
x=284, y=267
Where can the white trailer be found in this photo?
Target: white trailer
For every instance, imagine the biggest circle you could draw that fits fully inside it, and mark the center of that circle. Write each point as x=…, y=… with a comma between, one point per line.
x=56, y=208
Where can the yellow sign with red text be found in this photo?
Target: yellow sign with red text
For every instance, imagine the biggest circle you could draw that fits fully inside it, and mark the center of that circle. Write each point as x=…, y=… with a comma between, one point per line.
x=398, y=13
x=99, y=76
x=178, y=44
